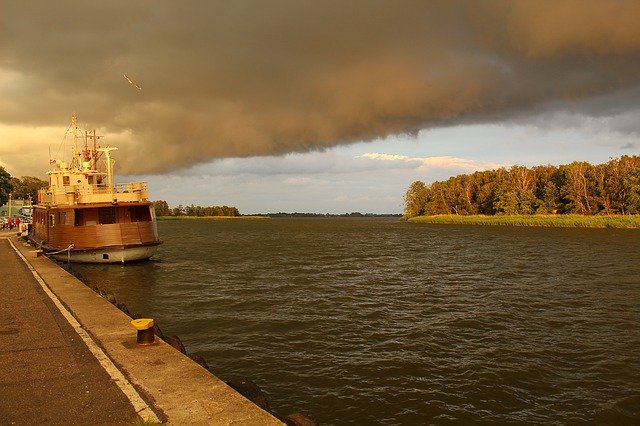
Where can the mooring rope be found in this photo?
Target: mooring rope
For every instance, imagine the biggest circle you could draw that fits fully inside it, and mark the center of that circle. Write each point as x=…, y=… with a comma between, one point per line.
x=63, y=250
x=68, y=250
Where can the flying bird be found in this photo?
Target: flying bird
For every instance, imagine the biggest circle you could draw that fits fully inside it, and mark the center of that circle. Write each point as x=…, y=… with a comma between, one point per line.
x=132, y=83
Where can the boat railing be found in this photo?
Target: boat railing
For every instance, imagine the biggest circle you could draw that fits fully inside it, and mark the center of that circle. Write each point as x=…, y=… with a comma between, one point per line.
x=133, y=191
x=124, y=188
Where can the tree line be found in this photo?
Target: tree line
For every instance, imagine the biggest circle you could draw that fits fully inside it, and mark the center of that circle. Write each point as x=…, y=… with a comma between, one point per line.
x=162, y=209
x=578, y=188
x=25, y=188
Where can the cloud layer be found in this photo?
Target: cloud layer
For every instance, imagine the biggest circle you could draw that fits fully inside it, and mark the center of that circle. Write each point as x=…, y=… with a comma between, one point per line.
x=252, y=77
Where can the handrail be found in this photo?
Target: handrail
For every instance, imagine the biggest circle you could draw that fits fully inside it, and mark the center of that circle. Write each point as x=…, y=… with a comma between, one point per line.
x=120, y=188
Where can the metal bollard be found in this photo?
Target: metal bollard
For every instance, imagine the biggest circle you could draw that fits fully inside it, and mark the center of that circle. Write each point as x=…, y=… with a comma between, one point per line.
x=144, y=326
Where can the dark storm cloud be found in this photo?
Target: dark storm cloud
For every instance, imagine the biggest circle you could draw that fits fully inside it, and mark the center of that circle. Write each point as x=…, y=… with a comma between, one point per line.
x=242, y=78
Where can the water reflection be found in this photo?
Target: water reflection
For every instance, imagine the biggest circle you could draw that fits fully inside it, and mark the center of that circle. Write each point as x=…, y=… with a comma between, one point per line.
x=135, y=283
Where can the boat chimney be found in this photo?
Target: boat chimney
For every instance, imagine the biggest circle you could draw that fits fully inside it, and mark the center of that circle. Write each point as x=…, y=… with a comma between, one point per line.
x=109, y=161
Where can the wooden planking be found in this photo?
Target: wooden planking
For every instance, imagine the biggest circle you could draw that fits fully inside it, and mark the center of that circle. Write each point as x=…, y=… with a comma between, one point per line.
x=94, y=236
x=148, y=232
x=61, y=236
x=129, y=233
x=85, y=236
x=108, y=235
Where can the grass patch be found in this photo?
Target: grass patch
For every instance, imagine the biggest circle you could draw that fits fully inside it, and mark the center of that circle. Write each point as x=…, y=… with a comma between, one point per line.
x=211, y=217
x=557, y=221
x=144, y=422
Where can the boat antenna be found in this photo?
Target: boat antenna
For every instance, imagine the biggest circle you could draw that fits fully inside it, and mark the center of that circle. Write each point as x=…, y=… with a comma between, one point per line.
x=61, y=144
x=74, y=125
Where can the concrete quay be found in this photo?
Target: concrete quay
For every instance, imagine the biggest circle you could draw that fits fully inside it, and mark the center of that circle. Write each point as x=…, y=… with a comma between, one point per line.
x=68, y=356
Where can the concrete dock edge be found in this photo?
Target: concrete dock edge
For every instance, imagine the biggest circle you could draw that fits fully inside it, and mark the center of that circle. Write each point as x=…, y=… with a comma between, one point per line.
x=176, y=389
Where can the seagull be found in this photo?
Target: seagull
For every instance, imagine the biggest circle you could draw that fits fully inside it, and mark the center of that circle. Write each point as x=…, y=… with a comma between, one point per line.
x=132, y=83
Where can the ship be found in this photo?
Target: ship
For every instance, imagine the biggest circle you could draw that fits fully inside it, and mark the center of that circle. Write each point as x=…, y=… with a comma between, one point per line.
x=82, y=216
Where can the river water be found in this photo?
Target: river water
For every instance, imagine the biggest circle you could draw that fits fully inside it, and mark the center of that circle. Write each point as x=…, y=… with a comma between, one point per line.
x=378, y=321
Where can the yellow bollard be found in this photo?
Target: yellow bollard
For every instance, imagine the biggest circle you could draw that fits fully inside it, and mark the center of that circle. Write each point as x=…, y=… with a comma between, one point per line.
x=145, y=330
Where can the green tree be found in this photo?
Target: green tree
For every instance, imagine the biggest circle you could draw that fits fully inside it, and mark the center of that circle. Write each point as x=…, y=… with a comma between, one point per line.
x=550, y=202
x=162, y=208
x=27, y=187
x=577, y=188
x=462, y=194
x=437, y=199
x=177, y=211
x=6, y=186
x=486, y=192
x=190, y=210
x=230, y=211
x=633, y=184
x=622, y=184
x=415, y=199
x=549, y=180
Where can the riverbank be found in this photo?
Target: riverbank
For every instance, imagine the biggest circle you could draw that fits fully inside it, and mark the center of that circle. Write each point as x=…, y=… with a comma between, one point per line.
x=557, y=221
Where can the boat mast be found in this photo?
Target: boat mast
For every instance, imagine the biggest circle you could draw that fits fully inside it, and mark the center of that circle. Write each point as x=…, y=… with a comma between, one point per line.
x=75, y=153
x=91, y=155
x=94, y=157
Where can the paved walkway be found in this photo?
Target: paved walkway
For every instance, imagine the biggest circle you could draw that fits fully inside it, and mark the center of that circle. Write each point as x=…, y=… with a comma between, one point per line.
x=47, y=373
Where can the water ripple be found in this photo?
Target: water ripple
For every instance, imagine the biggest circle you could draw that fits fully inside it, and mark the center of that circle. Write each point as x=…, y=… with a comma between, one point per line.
x=377, y=321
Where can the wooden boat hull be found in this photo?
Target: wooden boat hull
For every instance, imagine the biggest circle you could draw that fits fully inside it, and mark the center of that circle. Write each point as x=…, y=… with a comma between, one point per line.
x=97, y=233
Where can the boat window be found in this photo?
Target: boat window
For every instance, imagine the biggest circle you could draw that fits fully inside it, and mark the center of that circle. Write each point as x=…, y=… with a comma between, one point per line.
x=65, y=180
x=79, y=217
x=62, y=217
x=106, y=215
x=52, y=221
x=140, y=214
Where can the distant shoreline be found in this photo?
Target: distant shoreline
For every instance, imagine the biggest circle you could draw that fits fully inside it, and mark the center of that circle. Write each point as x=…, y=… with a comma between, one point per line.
x=210, y=217
x=550, y=221
x=285, y=215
